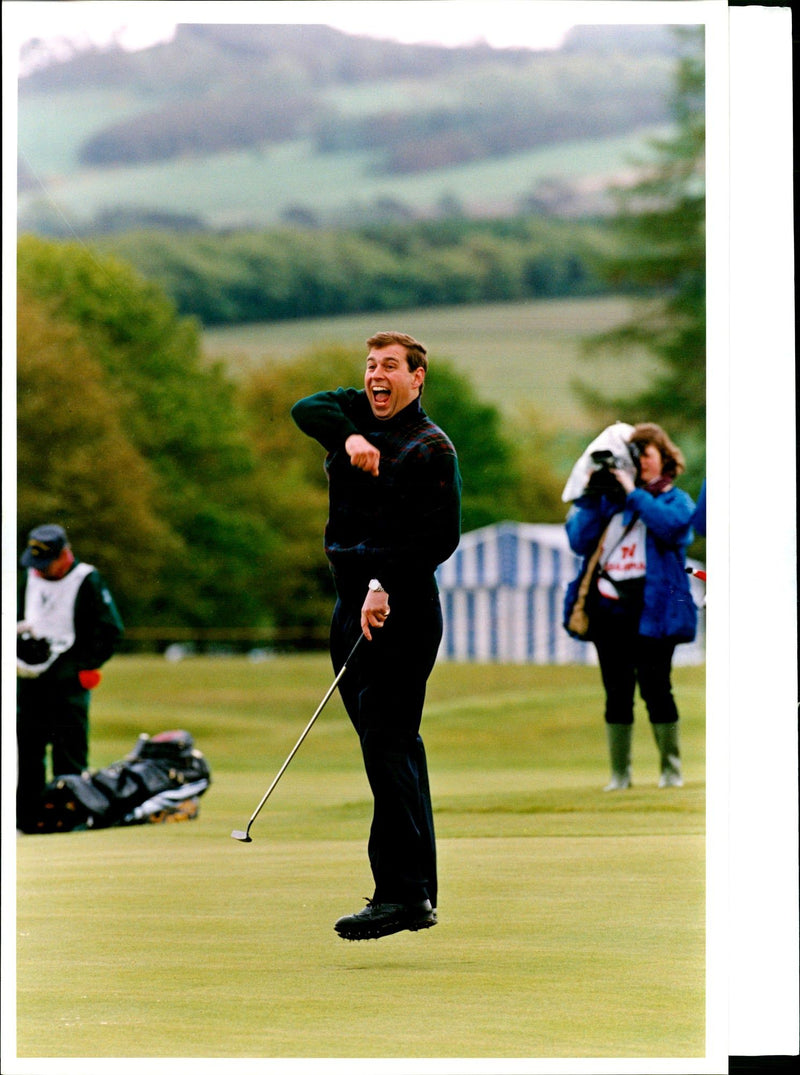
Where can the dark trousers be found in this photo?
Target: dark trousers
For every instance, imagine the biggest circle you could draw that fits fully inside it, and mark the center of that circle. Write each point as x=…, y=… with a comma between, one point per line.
x=627, y=659
x=383, y=691
x=49, y=713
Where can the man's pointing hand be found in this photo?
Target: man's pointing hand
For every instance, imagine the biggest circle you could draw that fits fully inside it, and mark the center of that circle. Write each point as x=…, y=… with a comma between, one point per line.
x=362, y=454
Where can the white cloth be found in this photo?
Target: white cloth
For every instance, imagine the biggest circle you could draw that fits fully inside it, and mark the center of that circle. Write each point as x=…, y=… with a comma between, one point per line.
x=614, y=438
x=622, y=556
x=50, y=613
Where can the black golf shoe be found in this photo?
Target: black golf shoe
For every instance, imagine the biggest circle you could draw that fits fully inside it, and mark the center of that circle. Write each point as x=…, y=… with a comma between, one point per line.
x=381, y=919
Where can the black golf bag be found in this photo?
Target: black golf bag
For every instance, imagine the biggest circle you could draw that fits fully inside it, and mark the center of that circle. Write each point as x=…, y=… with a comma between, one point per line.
x=162, y=779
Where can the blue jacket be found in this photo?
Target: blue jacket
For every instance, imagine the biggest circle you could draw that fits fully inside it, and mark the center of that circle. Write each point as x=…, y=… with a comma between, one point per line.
x=669, y=611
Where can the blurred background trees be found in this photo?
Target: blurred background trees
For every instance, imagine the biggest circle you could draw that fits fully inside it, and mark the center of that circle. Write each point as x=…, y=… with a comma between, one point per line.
x=659, y=251
x=127, y=418
x=184, y=479
x=195, y=492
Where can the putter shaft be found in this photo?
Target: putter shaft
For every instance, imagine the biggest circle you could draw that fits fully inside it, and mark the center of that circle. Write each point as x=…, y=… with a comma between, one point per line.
x=245, y=837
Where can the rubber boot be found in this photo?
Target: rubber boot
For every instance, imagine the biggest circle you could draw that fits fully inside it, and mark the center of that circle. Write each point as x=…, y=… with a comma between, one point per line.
x=666, y=737
x=619, y=749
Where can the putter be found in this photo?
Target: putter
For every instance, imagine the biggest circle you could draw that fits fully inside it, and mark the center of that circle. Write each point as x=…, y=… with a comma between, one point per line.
x=244, y=836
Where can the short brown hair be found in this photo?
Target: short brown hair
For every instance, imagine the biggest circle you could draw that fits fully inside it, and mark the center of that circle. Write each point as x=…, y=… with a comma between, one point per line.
x=646, y=433
x=416, y=352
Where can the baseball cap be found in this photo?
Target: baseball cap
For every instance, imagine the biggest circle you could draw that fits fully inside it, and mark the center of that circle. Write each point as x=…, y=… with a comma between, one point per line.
x=45, y=544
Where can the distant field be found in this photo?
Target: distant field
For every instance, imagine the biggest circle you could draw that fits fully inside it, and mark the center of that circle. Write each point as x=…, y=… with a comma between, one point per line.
x=52, y=128
x=518, y=355
x=572, y=922
x=253, y=187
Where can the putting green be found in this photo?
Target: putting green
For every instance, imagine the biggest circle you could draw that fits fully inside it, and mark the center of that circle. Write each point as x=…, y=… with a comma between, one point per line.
x=571, y=922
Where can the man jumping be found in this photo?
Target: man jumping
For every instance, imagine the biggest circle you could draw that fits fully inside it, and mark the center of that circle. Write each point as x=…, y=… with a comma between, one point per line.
x=394, y=516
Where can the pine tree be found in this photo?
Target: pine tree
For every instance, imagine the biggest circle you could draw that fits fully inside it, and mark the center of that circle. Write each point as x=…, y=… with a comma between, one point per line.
x=660, y=258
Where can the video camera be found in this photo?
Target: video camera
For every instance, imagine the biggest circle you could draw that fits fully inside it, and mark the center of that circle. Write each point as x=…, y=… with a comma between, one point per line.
x=603, y=463
x=604, y=459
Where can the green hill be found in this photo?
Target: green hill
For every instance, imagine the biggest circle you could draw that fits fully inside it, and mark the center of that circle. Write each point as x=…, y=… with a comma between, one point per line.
x=233, y=126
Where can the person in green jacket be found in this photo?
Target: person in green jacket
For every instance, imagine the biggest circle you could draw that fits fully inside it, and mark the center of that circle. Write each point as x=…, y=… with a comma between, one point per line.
x=67, y=627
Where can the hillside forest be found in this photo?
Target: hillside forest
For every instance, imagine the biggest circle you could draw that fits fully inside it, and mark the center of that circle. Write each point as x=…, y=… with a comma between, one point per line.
x=230, y=126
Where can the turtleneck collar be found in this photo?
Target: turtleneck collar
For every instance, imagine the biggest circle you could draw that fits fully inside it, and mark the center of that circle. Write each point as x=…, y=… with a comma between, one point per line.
x=407, y=416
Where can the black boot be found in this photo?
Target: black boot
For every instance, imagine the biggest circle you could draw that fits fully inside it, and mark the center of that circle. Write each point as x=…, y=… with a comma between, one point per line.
x=381, y=919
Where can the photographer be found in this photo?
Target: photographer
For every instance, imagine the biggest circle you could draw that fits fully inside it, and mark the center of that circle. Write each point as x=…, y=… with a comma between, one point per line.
x=640, y=605
x=67, y=627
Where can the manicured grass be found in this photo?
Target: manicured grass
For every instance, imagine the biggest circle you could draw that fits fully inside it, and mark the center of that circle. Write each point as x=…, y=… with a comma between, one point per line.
x=571, y=921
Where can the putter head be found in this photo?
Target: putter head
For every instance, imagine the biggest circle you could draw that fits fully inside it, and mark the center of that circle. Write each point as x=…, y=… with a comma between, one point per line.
x=238, y=835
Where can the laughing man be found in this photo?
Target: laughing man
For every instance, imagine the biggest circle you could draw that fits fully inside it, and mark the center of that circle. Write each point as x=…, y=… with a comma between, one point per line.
x=394, y=516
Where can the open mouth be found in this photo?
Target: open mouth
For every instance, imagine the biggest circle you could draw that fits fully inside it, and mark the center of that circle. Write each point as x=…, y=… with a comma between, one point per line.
x=381, y=395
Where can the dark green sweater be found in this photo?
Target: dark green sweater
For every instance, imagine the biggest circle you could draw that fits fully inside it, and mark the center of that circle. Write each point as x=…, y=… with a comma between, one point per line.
x=400, y=525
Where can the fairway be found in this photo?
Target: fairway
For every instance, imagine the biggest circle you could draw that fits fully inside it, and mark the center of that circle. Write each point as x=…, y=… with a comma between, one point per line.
x=571, y=922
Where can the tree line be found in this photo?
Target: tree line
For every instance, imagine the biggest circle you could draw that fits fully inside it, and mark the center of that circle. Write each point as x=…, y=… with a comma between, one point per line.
x=293, y=272
x=500, y=112
x=508, y=111
x=218, y=88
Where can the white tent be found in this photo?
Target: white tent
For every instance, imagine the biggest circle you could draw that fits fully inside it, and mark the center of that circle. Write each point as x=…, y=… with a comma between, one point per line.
x=503, y=593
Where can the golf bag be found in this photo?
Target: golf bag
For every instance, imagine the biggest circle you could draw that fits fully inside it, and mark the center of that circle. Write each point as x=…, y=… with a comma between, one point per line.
x=162, y=779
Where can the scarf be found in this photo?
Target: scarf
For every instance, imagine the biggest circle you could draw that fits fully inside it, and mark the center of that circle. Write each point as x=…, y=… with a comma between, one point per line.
x=658, y=485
